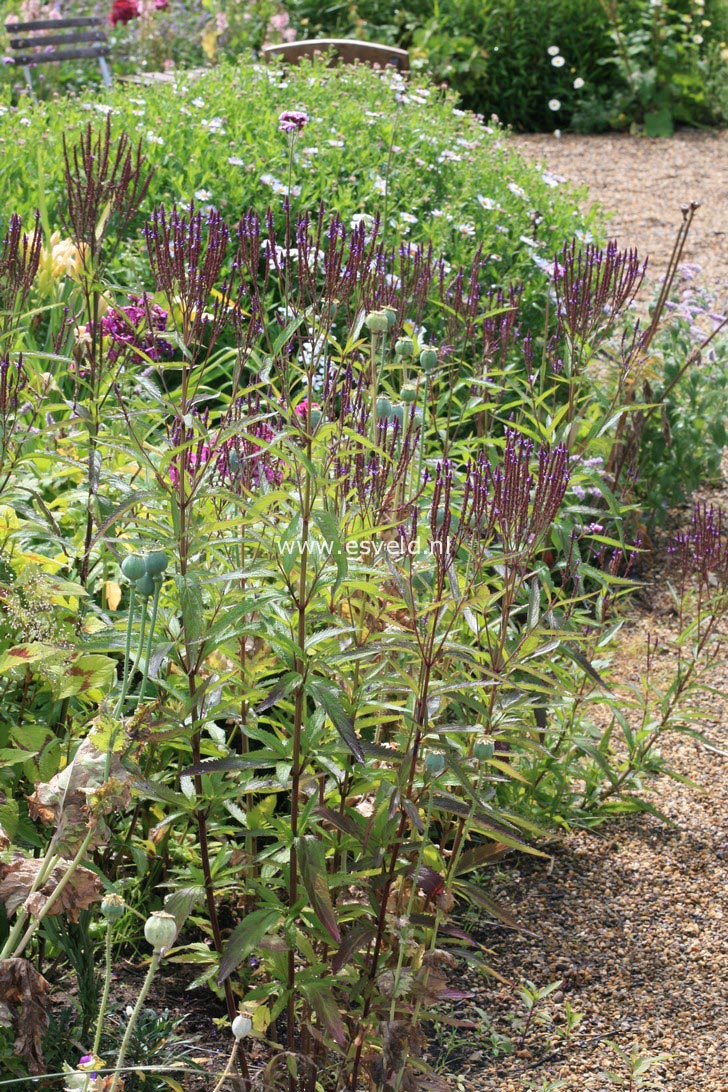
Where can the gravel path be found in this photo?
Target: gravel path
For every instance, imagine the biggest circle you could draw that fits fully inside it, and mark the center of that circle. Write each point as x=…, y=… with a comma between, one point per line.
x=643, y=184
x=630, y=918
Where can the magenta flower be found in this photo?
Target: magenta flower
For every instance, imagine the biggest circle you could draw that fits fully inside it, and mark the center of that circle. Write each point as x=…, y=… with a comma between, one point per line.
x=301, y=410
x=292, y=121
x=136, y=329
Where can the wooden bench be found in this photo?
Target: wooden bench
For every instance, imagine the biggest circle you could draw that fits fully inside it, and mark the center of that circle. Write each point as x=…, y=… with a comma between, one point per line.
x=48, y=41
x=346, y=50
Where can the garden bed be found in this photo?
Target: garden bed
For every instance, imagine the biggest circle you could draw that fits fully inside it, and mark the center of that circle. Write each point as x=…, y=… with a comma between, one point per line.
x=315, y=598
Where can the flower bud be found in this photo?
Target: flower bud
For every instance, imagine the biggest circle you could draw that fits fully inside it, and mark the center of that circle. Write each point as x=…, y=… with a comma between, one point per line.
x=145, y=586
x=242, y=1026
x=428, y=358
x=160, y=929
x=133, y=567
x=156, y=562
x=377, y=322
x=112, y=906
x=404, y=348
x=434, y=764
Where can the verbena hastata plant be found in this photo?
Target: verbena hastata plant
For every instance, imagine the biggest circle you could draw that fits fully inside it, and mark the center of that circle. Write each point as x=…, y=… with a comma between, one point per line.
x=302, y=607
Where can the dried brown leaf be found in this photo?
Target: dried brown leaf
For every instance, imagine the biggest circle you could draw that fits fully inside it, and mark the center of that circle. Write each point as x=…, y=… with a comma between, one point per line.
x=67, y=799
x=18, y=877
x=25, y=991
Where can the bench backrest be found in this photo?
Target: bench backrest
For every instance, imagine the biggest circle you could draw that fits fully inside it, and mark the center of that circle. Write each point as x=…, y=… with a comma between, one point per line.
x=347, y=50
x=45, y=41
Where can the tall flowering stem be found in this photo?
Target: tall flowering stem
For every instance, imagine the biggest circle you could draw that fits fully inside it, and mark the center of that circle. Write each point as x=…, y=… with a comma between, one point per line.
x=106, y=182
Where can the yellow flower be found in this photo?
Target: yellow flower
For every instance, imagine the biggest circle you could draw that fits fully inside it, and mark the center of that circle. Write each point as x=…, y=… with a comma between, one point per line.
x=62, y=259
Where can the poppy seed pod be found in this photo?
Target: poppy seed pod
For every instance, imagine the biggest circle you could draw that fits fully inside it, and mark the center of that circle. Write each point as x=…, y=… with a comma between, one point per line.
x=404, y=348
x=242, y=1026
x=160, y=929
x=133, y=567
x=156, y=562
x=145, y=586
x=112, y=907
x=428, y=358
x=377, y=322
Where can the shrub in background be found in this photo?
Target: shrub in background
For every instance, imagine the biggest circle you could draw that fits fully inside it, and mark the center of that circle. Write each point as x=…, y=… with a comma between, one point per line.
x=374, y=144
x=618, y=62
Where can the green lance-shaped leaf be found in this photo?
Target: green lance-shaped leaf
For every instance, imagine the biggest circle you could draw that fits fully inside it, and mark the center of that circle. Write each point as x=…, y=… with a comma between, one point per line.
x=312, y=864
x=326, y=696
x=329, y=528
x=244, y=938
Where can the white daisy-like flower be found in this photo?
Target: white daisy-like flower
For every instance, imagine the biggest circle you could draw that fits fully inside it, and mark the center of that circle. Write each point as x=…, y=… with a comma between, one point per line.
x=486, y=202
x=578, y=82
x=203, y=195
x=558, y=61
x=408, y=218
x=553, y=51
x=554, y=104
x=236, y=161
x=698, y=39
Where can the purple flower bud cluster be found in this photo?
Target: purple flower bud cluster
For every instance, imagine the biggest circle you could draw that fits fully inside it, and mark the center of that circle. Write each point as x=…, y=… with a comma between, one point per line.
x=106, y=181
x=701, y=551
x=190, y=461
x=374, y=479
x=593, y=286
x=135, y=329
x=244, y=457
x=186, y=254
x=525, y=504
x=19, y=259
x=13, y=379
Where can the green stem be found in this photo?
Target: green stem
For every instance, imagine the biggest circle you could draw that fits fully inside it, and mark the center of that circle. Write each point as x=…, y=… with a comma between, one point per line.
x=105, y=994
x=228, y=1069
x=50, y=862
x=297, y=734
x=57, y=892
x=152, y=623
x=127, y=651
x=153, y=967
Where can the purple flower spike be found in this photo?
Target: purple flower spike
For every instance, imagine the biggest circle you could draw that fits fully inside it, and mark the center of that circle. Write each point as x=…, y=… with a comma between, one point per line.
x=292, y=121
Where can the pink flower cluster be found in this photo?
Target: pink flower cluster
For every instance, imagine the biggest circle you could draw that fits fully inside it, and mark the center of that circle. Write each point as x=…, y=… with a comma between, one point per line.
x=123, y=11
x=292, y=121
x=136, y=328
x=240, y=462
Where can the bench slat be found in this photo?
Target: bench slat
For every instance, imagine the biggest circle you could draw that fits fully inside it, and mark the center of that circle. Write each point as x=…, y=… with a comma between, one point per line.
x=55, y=24
x=67, y=55
x=58, y=39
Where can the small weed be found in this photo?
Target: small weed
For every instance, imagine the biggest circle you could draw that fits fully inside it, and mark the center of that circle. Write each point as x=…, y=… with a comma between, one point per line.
x=635, y=1066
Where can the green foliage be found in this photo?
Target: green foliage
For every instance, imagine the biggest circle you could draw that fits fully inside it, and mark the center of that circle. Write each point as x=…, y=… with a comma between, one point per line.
x=683, y=438
x=448, y=179
x=635, y=1067
x=618, y=63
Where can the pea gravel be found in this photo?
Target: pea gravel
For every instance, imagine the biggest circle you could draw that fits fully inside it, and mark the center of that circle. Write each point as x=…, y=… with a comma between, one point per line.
x=631, y=918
